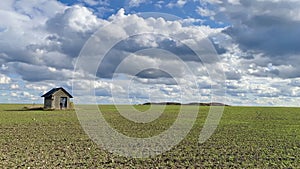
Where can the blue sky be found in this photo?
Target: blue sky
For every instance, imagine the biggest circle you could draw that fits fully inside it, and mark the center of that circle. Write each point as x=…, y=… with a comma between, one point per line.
x=254, y=43
x=184, y=9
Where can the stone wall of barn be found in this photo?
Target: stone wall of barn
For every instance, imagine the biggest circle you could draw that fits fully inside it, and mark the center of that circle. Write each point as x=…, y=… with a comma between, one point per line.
x=48, y=103
x=56, y=99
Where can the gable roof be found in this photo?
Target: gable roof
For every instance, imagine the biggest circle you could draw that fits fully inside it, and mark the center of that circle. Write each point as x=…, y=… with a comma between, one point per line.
x=52, y=91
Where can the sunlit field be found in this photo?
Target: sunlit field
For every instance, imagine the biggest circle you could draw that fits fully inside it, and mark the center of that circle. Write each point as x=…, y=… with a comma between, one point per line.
x=254, y=137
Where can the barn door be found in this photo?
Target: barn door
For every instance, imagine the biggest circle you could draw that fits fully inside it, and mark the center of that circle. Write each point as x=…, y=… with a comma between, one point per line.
x=63, y=102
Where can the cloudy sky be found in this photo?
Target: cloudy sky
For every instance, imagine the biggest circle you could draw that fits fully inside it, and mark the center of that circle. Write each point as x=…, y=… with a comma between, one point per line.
x=136, y=51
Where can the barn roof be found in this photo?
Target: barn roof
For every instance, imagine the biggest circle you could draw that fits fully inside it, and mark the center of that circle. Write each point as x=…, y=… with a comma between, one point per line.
x=52, y=91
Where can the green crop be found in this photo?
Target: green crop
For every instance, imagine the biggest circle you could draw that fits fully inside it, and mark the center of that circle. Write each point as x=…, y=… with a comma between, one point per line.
x=247, y=137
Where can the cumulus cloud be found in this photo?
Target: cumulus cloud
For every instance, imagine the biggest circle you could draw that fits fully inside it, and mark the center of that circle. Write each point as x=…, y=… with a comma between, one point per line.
x=155, y=52
x=70, y=29
x=76, y=19
x=49, y=40
x=158, y=41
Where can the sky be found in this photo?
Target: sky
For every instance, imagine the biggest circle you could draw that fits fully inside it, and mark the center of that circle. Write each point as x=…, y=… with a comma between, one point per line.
x=240, y=52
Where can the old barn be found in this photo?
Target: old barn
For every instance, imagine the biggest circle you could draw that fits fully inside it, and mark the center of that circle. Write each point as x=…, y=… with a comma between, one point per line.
x=57, y=98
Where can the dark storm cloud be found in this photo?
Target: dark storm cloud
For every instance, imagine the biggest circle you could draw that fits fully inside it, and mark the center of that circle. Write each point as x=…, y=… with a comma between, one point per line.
x=268, y=34
x=265, y=27
x=232, y=75
x=133, y=44
x=153, y=74
x=219, y=48
x=9, y=53
x=103, y=92
x=34, y=73
x=166, y=81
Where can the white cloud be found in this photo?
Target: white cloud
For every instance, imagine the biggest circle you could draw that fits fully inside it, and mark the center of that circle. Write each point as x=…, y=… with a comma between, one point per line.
x=190, y=21
x=75, y=18
x=234, y=2
x=7, y=5
x=211, y=1
x=39, y=87
x=14, y=94
x=14, y=86
x=91, y=2
x=205, y=12
x=159, y=4
x=136, y=3
x=81, y=19
x=4, y=79
x=181, y=3
x=178, y=3
x=4, y=67
x=26, y=94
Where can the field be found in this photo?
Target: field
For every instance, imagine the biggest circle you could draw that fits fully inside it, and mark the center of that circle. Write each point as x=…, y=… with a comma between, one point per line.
x=247, y=137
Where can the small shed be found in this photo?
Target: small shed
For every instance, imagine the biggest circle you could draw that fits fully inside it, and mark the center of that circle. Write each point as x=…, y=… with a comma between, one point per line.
x=57, y=98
